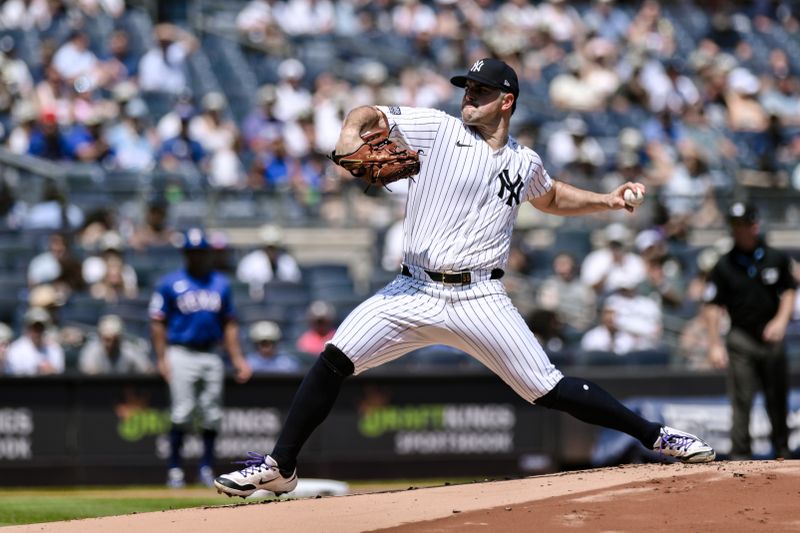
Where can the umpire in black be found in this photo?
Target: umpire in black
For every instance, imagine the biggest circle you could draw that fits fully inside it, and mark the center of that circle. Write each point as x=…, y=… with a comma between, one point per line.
x=754, y=283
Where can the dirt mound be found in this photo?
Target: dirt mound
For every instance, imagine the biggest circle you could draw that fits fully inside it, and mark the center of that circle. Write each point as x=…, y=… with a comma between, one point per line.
x=748, y=495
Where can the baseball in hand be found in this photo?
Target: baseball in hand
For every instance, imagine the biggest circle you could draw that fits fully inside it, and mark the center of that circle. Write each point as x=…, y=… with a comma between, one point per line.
x=632, y=197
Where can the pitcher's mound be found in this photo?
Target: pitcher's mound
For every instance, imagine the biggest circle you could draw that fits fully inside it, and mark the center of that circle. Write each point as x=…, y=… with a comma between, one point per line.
x=720, y=496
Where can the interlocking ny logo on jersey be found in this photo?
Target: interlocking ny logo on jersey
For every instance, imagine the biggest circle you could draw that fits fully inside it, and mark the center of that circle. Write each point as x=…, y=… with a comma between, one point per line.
x=477, y=66
x=513, y=187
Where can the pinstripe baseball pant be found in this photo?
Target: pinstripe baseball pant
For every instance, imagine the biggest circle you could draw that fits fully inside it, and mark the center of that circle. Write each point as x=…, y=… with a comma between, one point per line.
x=479, y=319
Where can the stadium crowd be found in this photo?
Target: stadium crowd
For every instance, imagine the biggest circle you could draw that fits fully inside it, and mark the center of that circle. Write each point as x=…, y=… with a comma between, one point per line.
x=699, y=101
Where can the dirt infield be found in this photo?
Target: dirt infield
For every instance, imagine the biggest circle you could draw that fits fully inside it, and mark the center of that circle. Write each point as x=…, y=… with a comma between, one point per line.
x=721, y=496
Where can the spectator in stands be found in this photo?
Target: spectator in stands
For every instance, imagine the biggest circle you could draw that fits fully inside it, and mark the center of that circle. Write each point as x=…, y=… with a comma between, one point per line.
x=651, y=32
x=276, y=170
x=573, y=301
x=107, y=275
x=219, y=137
x=57, y=266
x=163, y=68
x=127, y=64
x=54, y=96
x=307, y=17
x=267, y=358
x=155, y=231
x=292, y=98
x=573, y=91
x=571, y=144
x=411, y=17
x=745, y=112
x=694, y=343
x=6, y=336
x=131, y=140
x=47, y=140
x=261, y=127
x=608, y=268
x=269, y=262
x=86, y=143
x=321, y=318
x=254, y=19
x=181, y=149
x=96, y=224
x=606, y=336
x=15, y=72
x=110, y=352
x=548, y=329
x=25, y=14
x=74, y=58
x=561, y=21
x=24, y=117
x=664, y=275
x=637, y=315
x=35, y=352
x=607, y=21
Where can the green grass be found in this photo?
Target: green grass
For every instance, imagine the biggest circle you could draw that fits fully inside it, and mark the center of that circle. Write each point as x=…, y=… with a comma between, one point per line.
x=26, y=506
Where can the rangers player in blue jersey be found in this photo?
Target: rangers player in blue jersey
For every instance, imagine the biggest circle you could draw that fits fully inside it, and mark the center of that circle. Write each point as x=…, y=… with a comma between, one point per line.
x=191, y=313
x=460, y=214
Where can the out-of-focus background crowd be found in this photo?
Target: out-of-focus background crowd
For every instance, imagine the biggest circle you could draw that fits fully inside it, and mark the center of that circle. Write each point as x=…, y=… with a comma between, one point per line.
x=122, y=123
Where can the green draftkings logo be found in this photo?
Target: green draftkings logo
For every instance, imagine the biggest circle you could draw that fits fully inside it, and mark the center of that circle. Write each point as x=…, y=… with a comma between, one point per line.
x=391, y=419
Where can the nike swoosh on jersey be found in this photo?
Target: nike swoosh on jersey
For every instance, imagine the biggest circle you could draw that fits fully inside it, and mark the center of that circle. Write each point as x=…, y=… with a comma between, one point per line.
x=458, y=143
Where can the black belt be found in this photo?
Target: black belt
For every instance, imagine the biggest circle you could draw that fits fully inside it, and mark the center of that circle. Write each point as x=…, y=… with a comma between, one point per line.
x=455, y=278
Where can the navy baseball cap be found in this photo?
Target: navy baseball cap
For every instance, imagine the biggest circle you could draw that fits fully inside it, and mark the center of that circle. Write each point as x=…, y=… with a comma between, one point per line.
x=195, y=239
x=492, y=72
x=742, y=212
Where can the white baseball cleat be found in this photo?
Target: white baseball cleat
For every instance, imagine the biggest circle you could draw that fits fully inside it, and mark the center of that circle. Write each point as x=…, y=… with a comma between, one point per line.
x=683, y=446
x=260, y=473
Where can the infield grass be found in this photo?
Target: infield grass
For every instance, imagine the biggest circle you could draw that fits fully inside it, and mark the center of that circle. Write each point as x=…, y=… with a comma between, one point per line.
x=28, y=506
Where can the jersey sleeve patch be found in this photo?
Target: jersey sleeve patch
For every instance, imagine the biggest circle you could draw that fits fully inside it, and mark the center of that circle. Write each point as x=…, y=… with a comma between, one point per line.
x=394, y=110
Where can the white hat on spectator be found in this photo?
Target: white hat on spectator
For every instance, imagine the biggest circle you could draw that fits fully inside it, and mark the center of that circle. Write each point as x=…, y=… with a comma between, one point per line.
x=267, y=94
x=136, y=108
x=373, y=73
x=109, y=326
x=214, y=101
x=320, y=309
x=271, y=235
x=575, y=125
x=6, y=333
x=616, y=232
x=647, y=238
x=291, y=68
x=743, y=81
x=111, y=240
x=36, y=315
x=265, y=330
x=631, y=138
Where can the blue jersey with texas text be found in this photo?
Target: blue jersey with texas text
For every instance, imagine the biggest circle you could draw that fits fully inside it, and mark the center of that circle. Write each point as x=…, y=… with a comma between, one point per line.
x=194, y=309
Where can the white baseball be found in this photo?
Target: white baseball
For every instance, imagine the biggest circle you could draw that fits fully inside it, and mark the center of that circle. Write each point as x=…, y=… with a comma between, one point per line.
x=633, y=197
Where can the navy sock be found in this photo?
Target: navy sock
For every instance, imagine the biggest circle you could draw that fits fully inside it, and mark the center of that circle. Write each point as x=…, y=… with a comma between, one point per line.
x=311, y=405
x=209, y=439
x=175, y=445
x=590, y=403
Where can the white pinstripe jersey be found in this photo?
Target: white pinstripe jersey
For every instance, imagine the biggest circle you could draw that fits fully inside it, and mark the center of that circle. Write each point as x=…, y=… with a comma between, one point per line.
x=461, y=209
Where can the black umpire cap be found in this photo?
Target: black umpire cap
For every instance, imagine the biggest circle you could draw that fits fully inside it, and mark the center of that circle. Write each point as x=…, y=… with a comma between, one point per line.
x=742, y=212
x=492, y=72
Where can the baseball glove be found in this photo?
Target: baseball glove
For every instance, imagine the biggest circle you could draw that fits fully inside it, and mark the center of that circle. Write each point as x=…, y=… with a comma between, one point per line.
x=379, y=160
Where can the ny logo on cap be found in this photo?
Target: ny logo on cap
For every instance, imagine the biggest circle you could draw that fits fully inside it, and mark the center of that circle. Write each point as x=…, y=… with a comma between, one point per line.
x=477, y=66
